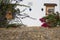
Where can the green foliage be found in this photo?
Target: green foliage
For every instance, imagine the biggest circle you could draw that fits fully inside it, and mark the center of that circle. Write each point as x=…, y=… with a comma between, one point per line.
x=14, y=25
x=6, y=6
x=11, y=25
x=3, y=23
x=3, y=9
x=53, y=19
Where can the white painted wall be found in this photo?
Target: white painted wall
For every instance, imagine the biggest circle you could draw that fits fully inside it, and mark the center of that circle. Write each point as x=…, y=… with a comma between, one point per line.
x=36, y=11
x=59, y=6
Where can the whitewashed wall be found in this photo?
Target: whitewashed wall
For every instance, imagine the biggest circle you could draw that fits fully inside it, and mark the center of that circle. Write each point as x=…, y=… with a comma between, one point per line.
x=36, y=11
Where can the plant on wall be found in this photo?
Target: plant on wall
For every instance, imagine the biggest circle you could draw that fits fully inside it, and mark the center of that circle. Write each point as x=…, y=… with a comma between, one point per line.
x=8, y=11
x=51, y=20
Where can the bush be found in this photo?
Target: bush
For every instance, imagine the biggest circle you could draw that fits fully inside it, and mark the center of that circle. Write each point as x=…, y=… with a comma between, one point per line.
x=51, y=20
x=15, y=25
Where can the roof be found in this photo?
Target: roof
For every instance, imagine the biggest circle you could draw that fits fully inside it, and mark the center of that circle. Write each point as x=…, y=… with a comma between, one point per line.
x=50, y=4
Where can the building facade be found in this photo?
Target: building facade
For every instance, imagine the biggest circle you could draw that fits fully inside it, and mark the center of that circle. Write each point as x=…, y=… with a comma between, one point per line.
x=39, y=9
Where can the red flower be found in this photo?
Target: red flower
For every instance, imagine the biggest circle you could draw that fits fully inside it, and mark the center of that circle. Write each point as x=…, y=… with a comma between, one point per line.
x=42, y=20
x=45, y=25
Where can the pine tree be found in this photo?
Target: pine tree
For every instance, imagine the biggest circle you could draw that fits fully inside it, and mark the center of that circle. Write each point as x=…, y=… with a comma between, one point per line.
x=8, y=11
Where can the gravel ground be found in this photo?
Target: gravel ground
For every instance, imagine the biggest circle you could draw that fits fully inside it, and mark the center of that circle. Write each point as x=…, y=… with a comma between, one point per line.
x=30, y=33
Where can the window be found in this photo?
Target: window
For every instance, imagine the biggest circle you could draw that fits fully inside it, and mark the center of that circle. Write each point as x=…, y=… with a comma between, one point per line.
x=50, y=10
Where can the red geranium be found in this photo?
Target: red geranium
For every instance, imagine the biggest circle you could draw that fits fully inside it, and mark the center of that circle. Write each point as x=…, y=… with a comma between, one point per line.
x=45, y=25
x=42, y=20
